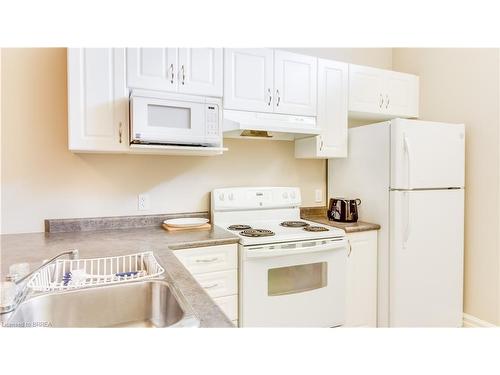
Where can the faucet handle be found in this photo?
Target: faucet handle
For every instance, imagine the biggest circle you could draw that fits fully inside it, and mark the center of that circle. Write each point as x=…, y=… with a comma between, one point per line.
x=75, y=254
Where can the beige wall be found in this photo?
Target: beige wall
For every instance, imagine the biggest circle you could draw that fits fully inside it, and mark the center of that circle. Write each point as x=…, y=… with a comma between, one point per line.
x=462, y=85
x=42, y=179
x=376, y=57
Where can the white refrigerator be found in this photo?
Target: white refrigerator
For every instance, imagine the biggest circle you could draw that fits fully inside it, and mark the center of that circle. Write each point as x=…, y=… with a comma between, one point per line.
x=409, y=175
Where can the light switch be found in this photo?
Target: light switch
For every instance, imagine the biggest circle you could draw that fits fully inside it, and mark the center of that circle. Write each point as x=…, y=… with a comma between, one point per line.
x=318, y=193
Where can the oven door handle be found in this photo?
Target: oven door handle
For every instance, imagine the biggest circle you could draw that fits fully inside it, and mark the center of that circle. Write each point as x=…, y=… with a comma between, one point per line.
x=269, y=253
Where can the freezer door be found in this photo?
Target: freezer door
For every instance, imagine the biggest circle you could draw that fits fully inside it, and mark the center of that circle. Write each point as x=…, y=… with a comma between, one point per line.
x=426, y=258
x=426, y=154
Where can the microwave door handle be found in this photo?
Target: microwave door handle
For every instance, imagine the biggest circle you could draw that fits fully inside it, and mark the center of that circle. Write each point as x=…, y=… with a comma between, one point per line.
x=269, y=253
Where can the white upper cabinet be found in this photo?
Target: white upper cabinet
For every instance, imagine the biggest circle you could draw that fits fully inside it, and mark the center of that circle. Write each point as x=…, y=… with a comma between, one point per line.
x=97, y=100
x=200, y=71
x=249, y=79
x=382, y=94
x=195, y=71
x=152, y=68
x=333, y=91
x=267, y=80
x=402, y=92
x=295, y=80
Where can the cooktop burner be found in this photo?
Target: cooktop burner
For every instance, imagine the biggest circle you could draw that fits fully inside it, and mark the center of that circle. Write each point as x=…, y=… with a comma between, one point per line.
x=314, y=228
x=256, y=233
x=294, y=224
x=239, y=227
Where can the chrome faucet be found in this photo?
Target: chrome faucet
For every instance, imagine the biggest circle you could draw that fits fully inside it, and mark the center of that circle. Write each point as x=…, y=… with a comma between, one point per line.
x=22, y=288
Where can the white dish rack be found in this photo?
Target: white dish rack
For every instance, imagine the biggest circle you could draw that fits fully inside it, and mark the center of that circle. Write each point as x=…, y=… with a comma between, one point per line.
x=66, y=274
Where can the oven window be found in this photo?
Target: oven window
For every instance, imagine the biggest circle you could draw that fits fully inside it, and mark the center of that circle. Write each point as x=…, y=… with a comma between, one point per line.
x=296, y=279
x=169, y=117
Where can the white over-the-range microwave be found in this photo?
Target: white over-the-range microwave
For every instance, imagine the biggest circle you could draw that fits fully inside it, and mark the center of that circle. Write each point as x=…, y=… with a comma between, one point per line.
x=175, y=119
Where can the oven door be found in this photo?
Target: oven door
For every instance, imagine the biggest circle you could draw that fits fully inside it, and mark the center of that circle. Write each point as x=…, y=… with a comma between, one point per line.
x=171, y=121
x=300, y=284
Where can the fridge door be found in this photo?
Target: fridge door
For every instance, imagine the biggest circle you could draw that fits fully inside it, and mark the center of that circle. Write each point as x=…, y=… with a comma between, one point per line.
x=426, y=258
x=426, y=154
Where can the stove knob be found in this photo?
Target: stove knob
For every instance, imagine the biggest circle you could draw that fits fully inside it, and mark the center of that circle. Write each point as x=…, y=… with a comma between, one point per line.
x=231, y=196
x=292, y=195
x=285, y=195
x=221, y=196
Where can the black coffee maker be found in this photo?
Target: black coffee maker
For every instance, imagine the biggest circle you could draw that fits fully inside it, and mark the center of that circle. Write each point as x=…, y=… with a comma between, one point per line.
x=343, y=210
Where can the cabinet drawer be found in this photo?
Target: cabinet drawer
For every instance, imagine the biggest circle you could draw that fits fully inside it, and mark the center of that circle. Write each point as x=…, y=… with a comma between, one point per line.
x=219, y=284
x=229, y=305
x=209, y=259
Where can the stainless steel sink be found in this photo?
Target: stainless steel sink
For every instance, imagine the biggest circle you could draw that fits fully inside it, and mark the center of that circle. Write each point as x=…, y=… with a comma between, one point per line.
x=150, y=303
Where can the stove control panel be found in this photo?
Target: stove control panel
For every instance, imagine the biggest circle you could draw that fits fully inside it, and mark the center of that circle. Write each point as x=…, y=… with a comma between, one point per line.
x=255, y=198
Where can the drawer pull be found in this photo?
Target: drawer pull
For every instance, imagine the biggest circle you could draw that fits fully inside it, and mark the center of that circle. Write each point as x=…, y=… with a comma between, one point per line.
x=210, y=286
x=211, y=260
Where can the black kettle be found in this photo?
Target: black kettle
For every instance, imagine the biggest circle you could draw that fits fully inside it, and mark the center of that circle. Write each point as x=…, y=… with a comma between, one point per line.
x=343, y=210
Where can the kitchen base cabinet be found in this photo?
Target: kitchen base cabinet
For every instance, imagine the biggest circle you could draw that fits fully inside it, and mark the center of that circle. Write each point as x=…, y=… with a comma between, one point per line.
x=215, y=268
x=361, y=293
x=97, y=100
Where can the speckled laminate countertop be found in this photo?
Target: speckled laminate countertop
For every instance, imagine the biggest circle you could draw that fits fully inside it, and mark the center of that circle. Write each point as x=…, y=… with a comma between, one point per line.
x=359, y=226
x=35, y=247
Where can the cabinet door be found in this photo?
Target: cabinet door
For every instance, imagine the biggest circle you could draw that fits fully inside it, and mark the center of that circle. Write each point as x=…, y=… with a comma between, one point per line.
x=401, y=94
x=361, y=299
x=200, y=71
x=366, y=89
x=333, y=91
x=248, y=79
x=295, y=83
x=97, y=100
x=152, y=68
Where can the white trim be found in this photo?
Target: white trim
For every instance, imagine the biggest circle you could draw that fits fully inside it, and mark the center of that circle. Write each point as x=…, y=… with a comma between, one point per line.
x=473, y=322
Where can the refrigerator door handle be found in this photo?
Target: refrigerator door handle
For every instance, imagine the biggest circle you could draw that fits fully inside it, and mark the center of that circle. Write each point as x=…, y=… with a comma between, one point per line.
x=407, y=150
x=406, y=197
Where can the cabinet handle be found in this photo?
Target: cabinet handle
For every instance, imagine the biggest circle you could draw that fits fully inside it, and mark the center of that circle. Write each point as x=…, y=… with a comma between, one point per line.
x=321, y=144
x=120, y=132
x=171, y=73
x=381, y=102
x=270, y=97
x=278, y=95
x=350, y=248
x=211, y=260
x=210, y=286
x=183, y=74
x=387, y=102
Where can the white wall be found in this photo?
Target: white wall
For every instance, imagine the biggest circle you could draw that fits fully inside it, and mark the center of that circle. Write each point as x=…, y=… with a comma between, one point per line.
x=462, y=85
x=42, y=179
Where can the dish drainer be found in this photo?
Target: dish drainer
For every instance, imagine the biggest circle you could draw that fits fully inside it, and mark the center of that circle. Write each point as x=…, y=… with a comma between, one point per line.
x=66, y=274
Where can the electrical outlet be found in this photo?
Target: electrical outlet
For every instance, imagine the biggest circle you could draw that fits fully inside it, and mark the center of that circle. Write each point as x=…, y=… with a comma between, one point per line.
x=318, y=195
x=143, y=202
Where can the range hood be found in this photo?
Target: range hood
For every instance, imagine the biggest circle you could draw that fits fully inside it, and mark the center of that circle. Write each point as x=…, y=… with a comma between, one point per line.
x=273, y=126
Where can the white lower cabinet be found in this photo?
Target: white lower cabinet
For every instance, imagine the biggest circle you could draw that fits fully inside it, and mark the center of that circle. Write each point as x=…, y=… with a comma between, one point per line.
x=361, y=293
x=215, y=268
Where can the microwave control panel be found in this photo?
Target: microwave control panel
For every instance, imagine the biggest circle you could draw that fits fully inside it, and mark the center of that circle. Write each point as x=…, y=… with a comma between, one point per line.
x=212, y=120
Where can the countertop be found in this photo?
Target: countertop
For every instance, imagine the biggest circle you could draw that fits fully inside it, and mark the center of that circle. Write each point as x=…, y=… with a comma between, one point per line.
x=35, y=247
x=359, y=226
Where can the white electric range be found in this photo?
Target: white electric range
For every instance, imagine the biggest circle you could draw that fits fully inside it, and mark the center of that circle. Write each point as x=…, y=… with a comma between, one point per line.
x=291, y=271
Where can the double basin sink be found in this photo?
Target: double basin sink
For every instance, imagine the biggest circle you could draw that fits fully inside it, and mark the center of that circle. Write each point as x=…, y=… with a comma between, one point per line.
x=149, y=303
